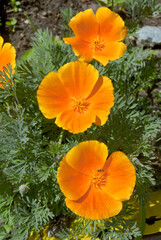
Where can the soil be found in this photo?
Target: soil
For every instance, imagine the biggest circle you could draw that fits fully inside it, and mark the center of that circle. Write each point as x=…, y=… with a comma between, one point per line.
x=44, y=14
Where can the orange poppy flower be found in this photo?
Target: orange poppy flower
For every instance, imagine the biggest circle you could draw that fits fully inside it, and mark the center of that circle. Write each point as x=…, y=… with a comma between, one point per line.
x=76, y=96
x=97, y=36
x=7, y=55
x=95, y=187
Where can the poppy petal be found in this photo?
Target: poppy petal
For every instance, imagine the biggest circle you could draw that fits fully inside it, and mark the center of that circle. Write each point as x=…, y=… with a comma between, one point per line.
x=80, y=48
x=102, y=98
x=51, y=96
x=87, y=157
x=75, y=122
x=95, y=204
x=1, y=42
x=84, y=24
x=72, y=183
x=120, y=176
x=78, y=78
x=7, y=55
x=111, y=51
x=111, y=25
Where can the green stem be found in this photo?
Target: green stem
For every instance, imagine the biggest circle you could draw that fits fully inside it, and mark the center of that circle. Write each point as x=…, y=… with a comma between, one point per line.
x=85, y=226
x=112, y=4
x=94, y=226
x=30, y=21
x=61, y=137
x=142, y=221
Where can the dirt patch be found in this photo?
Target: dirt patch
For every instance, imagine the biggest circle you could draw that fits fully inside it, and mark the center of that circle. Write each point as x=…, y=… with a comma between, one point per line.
x=43, y=13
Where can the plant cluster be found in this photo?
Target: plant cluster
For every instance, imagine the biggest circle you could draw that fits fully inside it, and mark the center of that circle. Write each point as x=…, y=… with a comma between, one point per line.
x=12, y=21
x=32, y=145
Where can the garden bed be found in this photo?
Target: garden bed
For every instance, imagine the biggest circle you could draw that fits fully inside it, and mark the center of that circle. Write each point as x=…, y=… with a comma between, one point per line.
x=33, y=143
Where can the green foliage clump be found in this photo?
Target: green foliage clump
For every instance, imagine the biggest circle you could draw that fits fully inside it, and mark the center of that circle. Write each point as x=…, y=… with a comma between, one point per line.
x=32, y=146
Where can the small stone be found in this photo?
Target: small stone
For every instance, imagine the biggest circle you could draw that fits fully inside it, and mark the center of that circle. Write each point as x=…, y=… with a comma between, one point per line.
x=149, y=36
x=26, y=21
x=44, y=13
x=49, y=12
x=35, y=9
x=19, y=44
x=22, y=35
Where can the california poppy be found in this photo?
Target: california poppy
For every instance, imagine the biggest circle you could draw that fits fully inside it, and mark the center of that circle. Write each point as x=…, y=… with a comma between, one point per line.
x=7, y=55
x=76, y=96
x=97, y=36
x=93, y=186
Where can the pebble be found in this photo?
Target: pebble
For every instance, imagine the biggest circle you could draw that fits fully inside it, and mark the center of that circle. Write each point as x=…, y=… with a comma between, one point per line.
x=22, y=35
x=49, y=12
x=26, y=21
x=149, y=36
x=44, y=13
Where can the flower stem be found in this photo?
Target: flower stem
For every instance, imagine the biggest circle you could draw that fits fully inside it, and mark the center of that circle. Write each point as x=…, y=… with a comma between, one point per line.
x=61, y=137
x=142, y=221
x=112, y=5
x=30, y=21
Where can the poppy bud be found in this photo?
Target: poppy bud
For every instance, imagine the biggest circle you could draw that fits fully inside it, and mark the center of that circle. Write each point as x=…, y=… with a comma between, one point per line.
x=23, y=189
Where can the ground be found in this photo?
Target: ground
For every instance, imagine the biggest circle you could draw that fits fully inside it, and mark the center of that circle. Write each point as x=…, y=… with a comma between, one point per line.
x=44, y=14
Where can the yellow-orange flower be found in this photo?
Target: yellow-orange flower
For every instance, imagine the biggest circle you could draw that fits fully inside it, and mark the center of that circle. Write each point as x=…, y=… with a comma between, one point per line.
x=97, y=36
x=93, y=186
x=7, y=55
x=76, y=96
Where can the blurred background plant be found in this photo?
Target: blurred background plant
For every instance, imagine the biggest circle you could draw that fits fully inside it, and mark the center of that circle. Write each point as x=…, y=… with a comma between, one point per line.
x=32, y=146
x=14, y=6
x=11, y=24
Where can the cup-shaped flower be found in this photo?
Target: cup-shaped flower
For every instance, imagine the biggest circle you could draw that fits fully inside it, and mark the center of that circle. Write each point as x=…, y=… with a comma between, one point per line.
x=76, y=96
x=97, y=36
x=7, y=55
x=93, y=186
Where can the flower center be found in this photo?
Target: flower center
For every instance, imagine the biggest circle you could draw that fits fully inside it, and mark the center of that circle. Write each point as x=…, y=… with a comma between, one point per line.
x=80, y=105
x=99, y=180
x=97, y=44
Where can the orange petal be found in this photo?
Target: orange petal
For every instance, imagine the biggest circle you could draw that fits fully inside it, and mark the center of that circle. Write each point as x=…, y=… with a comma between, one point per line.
x=75, y=122
x=72, y=183
x=1, y=42
x=87, y=157
x=111, y=25
x=84, y=24
x=111, y=51
x=95, y=204
x=80, y=48
x=121, y=176
x=7, y=55
x=102, y=98
x=51, y=95
x=78, y=78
